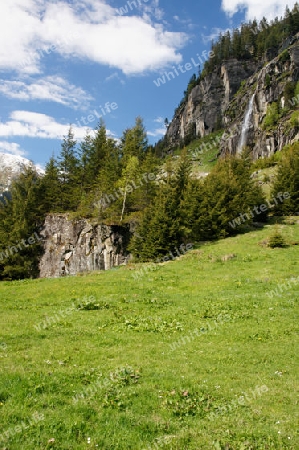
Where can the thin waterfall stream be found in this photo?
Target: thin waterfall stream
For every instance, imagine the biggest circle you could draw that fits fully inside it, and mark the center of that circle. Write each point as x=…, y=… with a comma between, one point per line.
x=246, y=124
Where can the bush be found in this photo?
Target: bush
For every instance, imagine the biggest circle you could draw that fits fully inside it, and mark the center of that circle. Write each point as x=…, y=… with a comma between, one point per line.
x=276, y=240
x=294, y=120
x=284, y=56
x=289, y=92
x=272, y=116
x=267, y=80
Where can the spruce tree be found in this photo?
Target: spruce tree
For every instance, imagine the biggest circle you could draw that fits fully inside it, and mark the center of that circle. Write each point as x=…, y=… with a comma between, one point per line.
x=163, y=227
x=287, y=181
x=229, y=194
x=69, y=173
x=134, y=142
x=50, y=187
x=23, y=214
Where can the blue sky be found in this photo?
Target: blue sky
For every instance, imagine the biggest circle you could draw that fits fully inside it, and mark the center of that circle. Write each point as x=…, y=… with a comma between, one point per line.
x=68, y=62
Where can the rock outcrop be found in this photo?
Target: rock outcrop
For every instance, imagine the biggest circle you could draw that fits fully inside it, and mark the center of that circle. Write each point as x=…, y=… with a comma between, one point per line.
x=74, y=246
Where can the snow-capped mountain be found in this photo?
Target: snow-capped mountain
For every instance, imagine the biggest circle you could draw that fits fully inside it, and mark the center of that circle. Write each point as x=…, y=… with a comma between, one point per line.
x=11, y=166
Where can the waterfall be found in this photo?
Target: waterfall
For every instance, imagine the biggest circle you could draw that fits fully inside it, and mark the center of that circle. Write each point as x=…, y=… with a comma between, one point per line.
x=246, y=124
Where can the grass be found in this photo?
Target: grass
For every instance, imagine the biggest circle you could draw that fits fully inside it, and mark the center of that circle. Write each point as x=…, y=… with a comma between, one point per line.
x=200, y=353
x=204, y=153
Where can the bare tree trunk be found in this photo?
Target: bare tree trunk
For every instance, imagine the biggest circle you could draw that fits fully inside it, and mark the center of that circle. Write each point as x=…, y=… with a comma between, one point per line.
x=124, y=204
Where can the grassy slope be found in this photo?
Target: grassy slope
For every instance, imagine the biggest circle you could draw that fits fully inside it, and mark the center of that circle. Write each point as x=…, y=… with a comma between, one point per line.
x=245, y=340
x=204, y=151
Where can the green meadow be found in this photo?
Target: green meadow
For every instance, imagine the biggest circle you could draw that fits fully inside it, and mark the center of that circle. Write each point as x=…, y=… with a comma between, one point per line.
x=196, y=353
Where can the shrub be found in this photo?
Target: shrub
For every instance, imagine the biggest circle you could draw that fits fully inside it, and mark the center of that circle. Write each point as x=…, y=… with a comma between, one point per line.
x=294, y=119
x=276, y=240
x=272, y=116
x=267, y=80
x=285, y=56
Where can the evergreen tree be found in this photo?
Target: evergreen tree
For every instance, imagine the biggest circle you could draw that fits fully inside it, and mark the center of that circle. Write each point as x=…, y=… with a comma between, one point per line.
x=68, y=165
x=134, y=142
x=97, y=154
x=287, y=181
x=50, y=188
x=22, y=219
x=163, y=227
x=86, y=149
x=229, y=194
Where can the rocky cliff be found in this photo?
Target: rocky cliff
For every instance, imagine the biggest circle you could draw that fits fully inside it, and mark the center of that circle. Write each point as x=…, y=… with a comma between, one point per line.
x=264, y=88
x=222, y=98
x=208, y=101
x=73, y=246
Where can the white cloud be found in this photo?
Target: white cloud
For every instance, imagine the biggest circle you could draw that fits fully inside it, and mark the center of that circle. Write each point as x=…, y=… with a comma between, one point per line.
x=86, y=30
x=153, y=9
x=51, y=88
x=157, y=132
x=115, y=76
x=159, y=120
x=12, y=148
x=256, y=8
x=36, y=125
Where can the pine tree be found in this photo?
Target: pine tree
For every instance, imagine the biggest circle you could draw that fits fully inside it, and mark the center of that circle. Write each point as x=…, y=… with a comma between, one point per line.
x=69, y=173
x=86, y=148
x=50, y=188
x=287, y=181
x=24, y=217
x=229, y=194
x=134, y=142
x=163, y=227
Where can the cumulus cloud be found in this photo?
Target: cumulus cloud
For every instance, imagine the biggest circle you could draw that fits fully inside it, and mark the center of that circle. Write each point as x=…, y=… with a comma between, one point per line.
x=85, y=29
x=153, y=9
x=256, y=9
x=12, y=148
x=158, y=132
x=36, y=125
x=52, y=88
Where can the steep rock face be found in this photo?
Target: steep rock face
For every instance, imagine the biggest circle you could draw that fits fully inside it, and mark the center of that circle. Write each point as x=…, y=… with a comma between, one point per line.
x=222, y=99
x=73, y=246
x=267, y=86
x=208, y=101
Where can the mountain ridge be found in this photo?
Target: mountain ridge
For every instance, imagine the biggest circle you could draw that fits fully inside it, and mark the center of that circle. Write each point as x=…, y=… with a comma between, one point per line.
x=11, y=166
